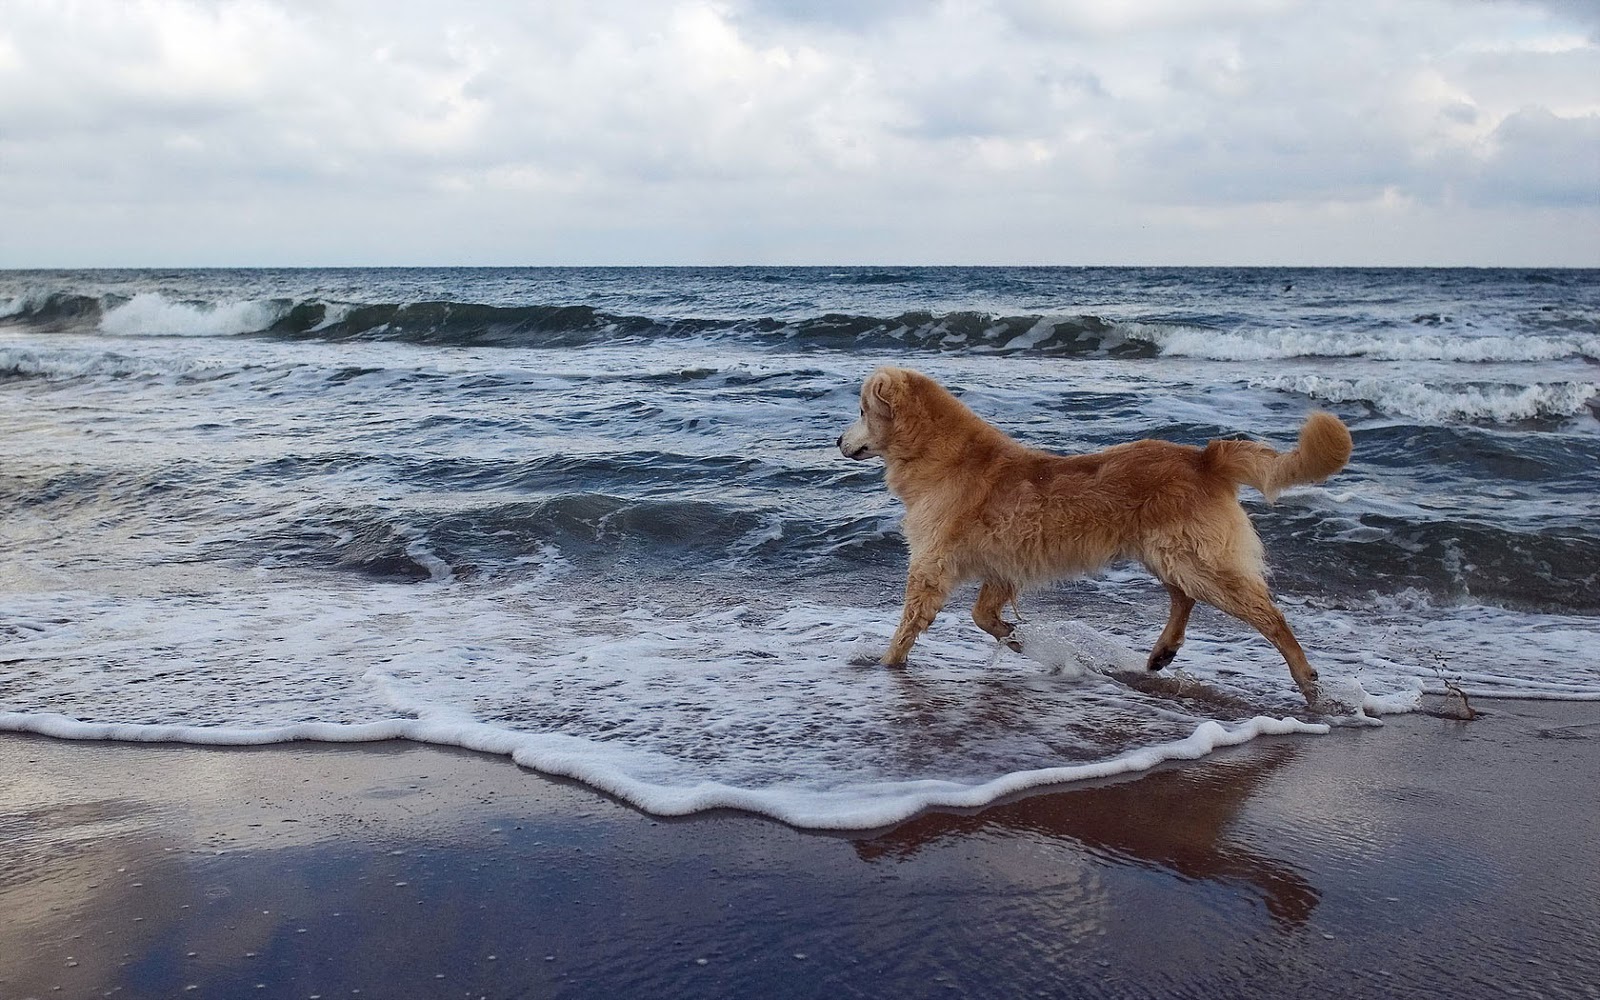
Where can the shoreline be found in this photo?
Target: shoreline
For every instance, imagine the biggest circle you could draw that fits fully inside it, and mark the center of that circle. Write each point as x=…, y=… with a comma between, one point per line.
x=550, y=757
x=1427, y=855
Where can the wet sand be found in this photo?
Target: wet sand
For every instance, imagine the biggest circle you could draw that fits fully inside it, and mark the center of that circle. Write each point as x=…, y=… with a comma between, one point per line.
x=1429, y=857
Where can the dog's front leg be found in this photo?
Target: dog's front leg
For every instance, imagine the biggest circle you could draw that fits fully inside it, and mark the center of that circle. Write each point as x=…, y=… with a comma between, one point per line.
x=927, y=588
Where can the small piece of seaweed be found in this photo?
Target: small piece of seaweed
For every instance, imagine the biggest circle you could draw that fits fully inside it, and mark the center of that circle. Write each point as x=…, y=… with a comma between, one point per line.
x=1456, y=705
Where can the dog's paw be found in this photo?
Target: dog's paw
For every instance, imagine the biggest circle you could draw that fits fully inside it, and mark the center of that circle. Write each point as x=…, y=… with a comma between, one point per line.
x=1160, y=658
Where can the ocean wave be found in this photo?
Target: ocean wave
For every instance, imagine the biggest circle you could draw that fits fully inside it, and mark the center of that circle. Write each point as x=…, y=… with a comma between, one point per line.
x=1559, y=464
x=152, y=314
x=1052, y=336
x=574, y=326
x=1396, y=345
x=719, y=516
x=444, y=323
x=51, y=311
x=471, y=539
x=1469, y=402
x=63, y=364
x=555, y=325
x=470, y=324
x=146, y=314
x=1535, y=567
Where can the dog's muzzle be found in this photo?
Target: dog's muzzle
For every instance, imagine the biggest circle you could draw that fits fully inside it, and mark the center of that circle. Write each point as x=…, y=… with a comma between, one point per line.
x=856, y=442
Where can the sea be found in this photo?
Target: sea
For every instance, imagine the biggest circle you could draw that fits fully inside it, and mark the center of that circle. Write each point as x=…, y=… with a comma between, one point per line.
x=594, y=519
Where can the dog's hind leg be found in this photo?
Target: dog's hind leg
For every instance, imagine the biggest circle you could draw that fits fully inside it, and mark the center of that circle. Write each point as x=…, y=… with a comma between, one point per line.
x=1247, y=598
x=927, y=588
x=993, y=596
x=1172, y=636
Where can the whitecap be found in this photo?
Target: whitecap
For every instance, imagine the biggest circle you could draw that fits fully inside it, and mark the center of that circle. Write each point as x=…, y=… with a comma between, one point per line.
x=1445, y=403
x=1267, y=345
x=152, y=314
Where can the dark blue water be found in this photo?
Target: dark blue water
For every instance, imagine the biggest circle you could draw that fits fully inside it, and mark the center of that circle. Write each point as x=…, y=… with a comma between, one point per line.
x=601, y=508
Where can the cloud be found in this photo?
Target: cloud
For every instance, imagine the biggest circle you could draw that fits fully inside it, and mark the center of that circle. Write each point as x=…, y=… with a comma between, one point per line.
x=1581, y=12
x=1539, y=158
x=844, y=14
x=1100, y=19
x=695, y=130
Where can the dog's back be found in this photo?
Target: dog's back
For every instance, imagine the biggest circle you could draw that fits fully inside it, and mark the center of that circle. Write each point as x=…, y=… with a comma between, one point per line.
x=997, y=507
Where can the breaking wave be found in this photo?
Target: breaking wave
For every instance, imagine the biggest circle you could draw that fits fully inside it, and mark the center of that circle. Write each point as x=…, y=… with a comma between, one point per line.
x=446, y=323
x=1394, y=345
x=151, y=314
x=1485, y=402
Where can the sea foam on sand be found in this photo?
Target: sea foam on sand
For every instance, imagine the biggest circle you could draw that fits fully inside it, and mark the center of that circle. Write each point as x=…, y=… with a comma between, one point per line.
x=762, y=709
x=860, y=808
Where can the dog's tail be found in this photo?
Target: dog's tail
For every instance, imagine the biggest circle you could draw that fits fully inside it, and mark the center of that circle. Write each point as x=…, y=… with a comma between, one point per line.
x=1323, y=449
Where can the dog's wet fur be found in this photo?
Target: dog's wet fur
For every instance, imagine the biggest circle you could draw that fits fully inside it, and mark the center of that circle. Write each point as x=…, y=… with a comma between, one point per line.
x=982, y=506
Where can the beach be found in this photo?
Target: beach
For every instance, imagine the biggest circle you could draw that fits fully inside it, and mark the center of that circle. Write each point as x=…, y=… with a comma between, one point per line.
x=1425, y=857
x=767, y=500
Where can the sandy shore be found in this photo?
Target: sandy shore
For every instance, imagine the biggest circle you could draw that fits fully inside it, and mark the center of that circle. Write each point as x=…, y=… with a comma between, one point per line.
x=1428, y=857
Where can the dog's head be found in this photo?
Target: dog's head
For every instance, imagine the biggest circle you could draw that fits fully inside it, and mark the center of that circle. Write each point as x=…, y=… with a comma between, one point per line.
x=885, y=391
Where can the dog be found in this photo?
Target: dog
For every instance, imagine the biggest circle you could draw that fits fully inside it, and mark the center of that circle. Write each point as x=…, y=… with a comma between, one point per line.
x=979, y=505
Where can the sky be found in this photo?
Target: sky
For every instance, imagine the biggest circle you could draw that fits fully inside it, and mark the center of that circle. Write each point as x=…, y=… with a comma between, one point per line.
x=1071, y=132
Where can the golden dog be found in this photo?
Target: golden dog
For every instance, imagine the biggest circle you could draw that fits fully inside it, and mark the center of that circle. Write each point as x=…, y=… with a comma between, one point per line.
x=981, y=506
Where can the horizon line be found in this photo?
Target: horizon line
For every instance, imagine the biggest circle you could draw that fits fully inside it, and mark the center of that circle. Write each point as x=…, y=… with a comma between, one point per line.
x=853, y=266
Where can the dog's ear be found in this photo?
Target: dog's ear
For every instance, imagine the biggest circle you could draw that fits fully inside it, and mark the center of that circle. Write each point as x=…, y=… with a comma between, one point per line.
x=881, y=392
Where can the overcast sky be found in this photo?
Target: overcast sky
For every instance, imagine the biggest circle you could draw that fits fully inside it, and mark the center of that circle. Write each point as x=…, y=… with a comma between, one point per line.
x=316, y=132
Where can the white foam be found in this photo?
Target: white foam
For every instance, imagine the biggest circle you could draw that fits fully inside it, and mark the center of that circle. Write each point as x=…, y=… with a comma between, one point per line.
x=1266, y=345
x=758, y=709
x=776, y=708
x=770, y=530
x=68, y=363
x=1034, y=335
x=1353, y=704
x=420, y=552
x=150, y=314
x=608, y=769
x=1445, y=403
x=92, y=360
x=333, y=313
x=1073, y=649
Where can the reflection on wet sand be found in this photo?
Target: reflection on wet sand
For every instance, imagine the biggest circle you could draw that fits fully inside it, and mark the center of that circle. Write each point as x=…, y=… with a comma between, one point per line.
x=1177, y=821
x=93, y=890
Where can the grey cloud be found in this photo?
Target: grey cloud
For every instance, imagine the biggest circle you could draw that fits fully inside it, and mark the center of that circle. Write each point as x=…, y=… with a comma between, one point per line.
x=928, y=127
x=1539, y=158
x=1100, y=19
x=1339, y=162
x=1580, y=12
x=1010, y=102
x=849, y=14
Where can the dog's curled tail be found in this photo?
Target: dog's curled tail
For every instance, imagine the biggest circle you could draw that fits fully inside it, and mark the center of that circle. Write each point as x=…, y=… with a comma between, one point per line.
x=1323, y=449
